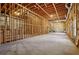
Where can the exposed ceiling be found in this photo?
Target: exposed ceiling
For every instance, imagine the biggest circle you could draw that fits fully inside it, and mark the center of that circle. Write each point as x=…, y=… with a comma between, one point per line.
x=50, y=11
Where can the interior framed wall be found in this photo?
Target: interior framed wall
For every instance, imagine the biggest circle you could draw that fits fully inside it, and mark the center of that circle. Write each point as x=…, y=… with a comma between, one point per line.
x=26, y=25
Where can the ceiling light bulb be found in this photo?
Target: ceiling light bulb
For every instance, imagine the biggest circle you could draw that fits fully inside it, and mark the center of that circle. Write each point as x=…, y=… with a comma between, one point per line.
x=17, y=13
x=51, y=15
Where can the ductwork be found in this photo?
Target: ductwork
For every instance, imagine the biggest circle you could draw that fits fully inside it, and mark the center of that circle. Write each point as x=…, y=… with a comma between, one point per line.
x=68, y=5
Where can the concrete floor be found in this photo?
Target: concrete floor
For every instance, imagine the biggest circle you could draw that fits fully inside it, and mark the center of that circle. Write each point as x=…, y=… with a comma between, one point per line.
x=48, y=44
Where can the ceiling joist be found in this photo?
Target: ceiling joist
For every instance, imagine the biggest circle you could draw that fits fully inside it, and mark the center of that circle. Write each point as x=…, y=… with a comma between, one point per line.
x=42, y=9
x=45, y=4
x=56, y=11
x=30, y=10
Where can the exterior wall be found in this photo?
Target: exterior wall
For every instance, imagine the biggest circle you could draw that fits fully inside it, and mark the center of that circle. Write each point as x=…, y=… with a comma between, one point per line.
x=57, y=26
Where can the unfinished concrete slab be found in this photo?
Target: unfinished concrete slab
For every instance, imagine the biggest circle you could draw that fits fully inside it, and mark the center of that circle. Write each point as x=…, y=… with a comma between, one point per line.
x=48, y=44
